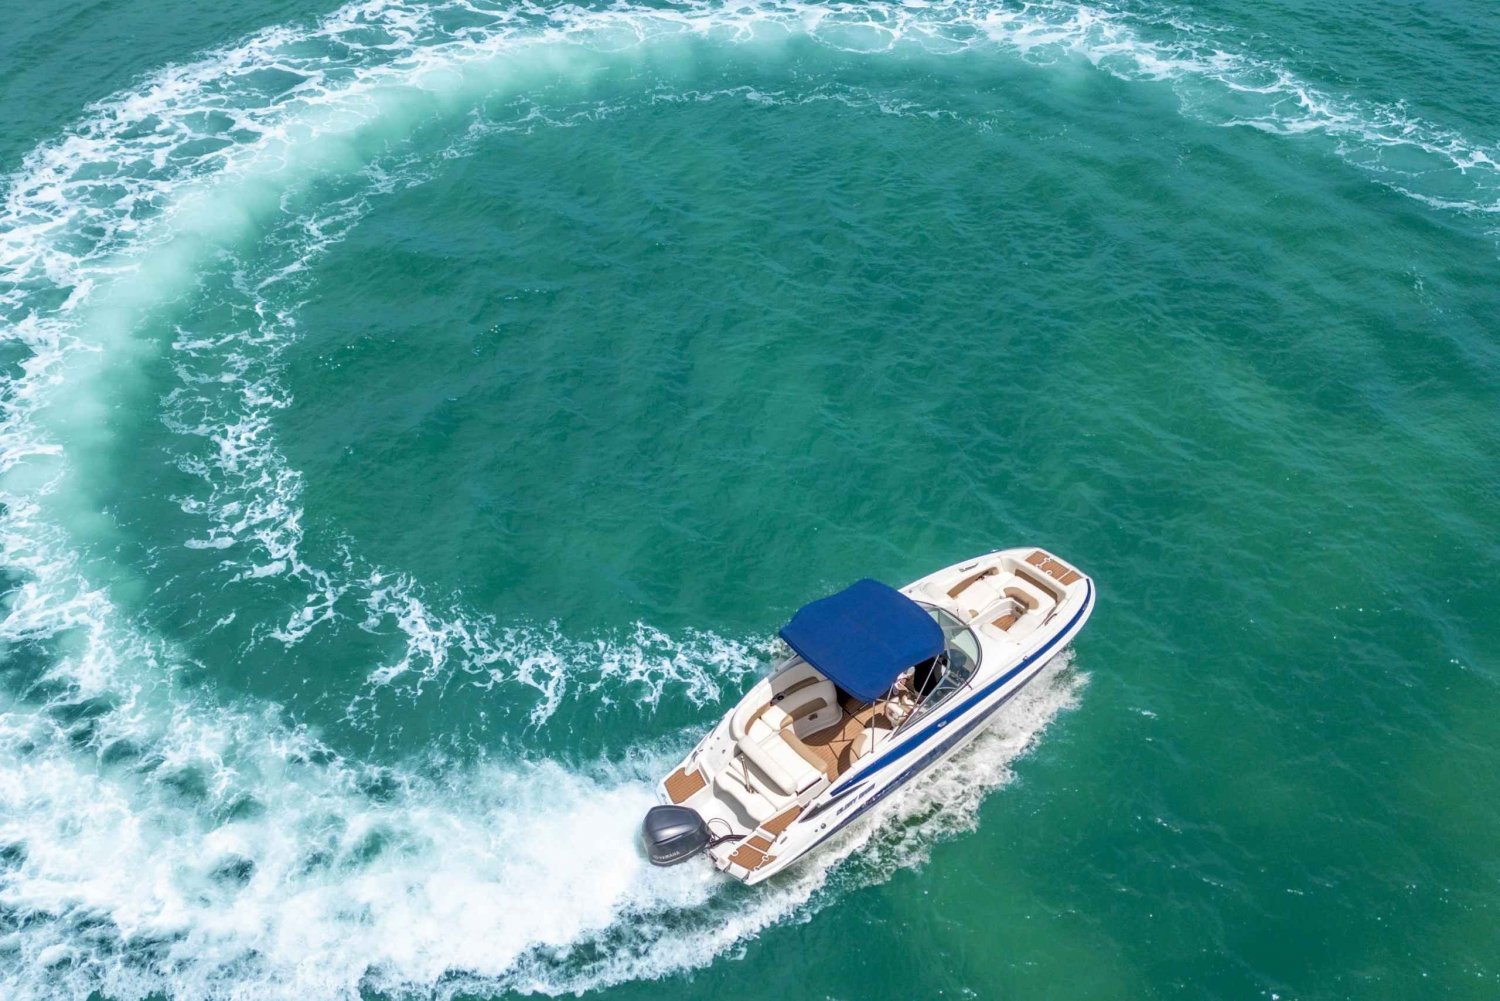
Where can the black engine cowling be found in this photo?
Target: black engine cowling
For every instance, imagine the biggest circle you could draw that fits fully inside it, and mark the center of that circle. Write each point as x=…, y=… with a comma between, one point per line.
x=673, y=834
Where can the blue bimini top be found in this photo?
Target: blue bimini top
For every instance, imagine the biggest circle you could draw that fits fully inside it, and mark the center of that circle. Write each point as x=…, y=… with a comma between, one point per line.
x=863, y=637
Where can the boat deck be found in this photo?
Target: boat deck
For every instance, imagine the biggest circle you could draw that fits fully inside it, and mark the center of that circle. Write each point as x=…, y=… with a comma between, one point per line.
x=833, y=748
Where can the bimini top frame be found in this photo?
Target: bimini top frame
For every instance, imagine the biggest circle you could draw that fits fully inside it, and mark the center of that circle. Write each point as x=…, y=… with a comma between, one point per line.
x=863, y=637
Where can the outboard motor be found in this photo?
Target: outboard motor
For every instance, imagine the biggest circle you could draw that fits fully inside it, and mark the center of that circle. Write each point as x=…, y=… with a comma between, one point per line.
x=674, y=834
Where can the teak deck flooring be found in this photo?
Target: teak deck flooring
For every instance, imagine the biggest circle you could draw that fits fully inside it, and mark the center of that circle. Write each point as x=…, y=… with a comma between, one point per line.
x=682, y=785
x=832, y=747
x=752, y=854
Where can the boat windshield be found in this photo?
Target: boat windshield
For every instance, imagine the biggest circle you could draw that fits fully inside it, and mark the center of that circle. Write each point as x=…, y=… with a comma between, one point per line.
x=953, y=668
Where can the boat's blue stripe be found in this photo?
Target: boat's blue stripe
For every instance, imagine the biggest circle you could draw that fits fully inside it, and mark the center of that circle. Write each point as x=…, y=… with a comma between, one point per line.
x=926, y=759
x=983, y=694
x=958, y=734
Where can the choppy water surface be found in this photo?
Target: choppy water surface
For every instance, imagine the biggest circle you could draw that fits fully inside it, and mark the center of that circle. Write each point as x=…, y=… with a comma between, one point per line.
x=418, y=416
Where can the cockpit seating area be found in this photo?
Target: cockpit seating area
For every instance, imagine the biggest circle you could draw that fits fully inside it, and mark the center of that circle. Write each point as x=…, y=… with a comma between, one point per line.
x=1026, y=601
x=874, y=684
x=798, y=730
x=1011, y=597
x=799, y=697
x=772, y=767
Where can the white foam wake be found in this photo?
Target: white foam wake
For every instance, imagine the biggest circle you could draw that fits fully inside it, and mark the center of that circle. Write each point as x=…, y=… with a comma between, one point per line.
x=225, y=855
x=288, y=105
x=152, y=840
x=1149, y=42
x=115, y=216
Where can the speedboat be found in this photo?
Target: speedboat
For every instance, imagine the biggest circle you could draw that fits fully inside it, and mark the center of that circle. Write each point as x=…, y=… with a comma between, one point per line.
x=878, y=686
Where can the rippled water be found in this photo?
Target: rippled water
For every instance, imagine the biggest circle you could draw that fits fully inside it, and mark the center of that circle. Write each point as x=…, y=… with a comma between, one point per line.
x=419, y=416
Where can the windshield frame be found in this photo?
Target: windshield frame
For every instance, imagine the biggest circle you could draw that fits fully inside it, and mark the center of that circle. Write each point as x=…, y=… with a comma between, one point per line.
x=952, y=627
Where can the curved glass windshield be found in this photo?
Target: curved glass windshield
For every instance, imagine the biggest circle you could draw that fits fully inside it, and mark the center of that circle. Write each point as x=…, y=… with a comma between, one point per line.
x=956, y=665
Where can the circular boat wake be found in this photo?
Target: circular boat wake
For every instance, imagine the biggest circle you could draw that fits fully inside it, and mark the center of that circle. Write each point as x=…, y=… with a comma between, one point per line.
x=158, y=837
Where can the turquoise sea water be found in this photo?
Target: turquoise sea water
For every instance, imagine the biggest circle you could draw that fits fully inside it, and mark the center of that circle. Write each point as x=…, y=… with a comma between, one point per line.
x=418, y=418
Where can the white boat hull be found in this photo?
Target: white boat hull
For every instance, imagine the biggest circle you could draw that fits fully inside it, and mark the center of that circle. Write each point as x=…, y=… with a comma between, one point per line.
x=1020, y=607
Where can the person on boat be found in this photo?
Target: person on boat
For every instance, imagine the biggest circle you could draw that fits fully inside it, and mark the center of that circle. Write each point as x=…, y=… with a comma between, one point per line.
x=926, y=675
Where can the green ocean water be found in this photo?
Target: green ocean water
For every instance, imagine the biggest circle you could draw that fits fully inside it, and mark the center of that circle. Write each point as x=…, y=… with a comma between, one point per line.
x=418, y=418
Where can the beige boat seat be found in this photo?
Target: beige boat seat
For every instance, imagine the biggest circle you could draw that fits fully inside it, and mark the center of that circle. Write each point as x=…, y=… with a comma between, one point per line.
x=1016, y=605
x=800, y=697
x=867, y=741
x=973, y=592
x=752, y=796
x=1022, y=597
x=809, y=711
x=1047, y=590
x=783, y=767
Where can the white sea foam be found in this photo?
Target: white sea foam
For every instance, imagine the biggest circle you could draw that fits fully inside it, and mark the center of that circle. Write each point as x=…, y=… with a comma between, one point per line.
x=250, y=501
x=1223, y=86
x=253, y=496
x=201, y=155
x=153, y=840
x=232, y=856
